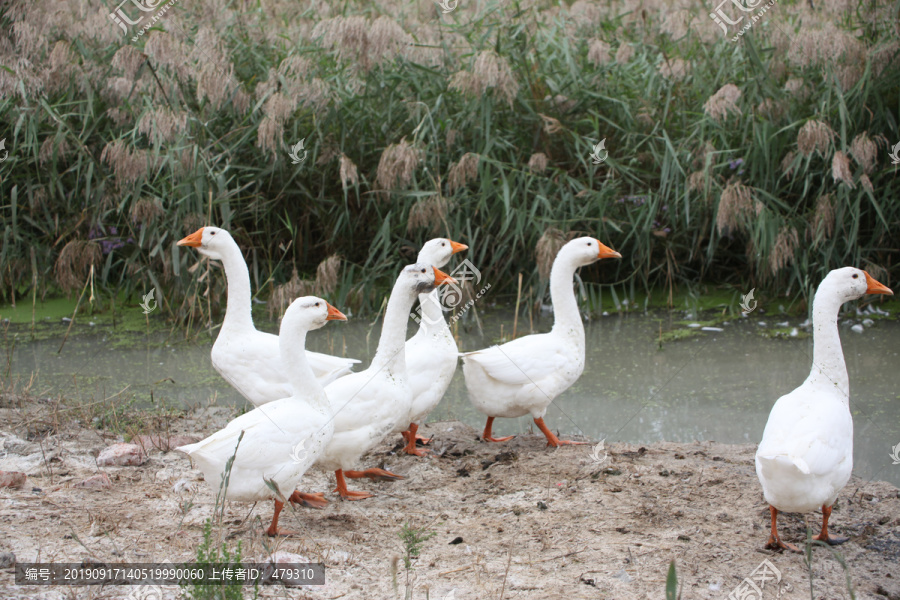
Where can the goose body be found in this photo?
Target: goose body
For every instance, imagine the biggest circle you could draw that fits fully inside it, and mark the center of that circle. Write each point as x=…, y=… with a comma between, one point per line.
x=250, y=360
x=525, y=375
x=805, y=457
x=371, y=404
x=277, y=442
x=431, y=354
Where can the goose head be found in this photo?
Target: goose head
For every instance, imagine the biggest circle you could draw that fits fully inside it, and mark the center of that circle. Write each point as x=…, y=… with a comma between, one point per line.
x=585, y=250
x=308, y=313
x=437, y=252
x=421, y=278
x=850, y=283
x=209, y=241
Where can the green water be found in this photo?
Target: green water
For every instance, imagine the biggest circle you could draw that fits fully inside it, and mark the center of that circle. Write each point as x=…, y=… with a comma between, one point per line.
x=714, y=386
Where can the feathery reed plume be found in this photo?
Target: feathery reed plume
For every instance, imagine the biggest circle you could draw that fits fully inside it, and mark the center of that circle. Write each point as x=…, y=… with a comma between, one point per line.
x=170, y=53
x=327, y=275
x=796, y=87
x=783, y=251
x=723, y=102
x=787, y=164
x=865, y=151
x=866, y=183
x=74, y=263
x=397, y=165
x=490, y=72
x=128, y=165
x=696, y=181
x=270, y=135
x=546, y=249
x=348, y=172
x=771, y=109
x=51, y=144
x=877, y=272
x=161, y=125
x=736, y=206
x=823, y=218
x=462, y=172
x=129, y=60
x=814, y=136
x=118, y=116
x=146, y=210
x=427, y=212
x=675, y=69
x=624, y=53
x=551, y=125
x=598, y=52
x=840, y=169
x=816, y=47
x=62, y=67
x=284, y=294
x=192, y=222
x=368, y=43
x=451, y=137
x=538, y=162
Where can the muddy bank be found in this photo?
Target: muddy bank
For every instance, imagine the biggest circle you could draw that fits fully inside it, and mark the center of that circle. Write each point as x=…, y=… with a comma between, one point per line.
x=511, y=520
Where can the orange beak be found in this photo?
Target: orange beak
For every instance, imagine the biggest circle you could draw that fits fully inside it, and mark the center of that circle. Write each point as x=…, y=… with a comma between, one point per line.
x=440, y=277
x=334, y=314
x=457, y=247
x=607, y=252
x=192, y=240
x=875, y=287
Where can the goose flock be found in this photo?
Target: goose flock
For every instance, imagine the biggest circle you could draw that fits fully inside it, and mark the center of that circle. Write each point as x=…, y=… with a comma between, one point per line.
x=312, y=410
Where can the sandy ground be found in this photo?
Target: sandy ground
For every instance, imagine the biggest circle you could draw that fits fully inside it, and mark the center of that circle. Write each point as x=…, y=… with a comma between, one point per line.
x=511, y=520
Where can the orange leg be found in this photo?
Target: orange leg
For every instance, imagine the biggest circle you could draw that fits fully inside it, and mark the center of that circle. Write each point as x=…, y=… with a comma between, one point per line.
x=823, y=536
x=373, y=474
x=552, y=440
x=775, y=542
x=314, y=500
x=273, y=530
x=344, y=492
x=486, y=436
x=411, y=438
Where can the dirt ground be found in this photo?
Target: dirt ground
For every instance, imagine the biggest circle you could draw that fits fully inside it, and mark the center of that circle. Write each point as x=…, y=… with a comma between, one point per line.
x=511, y=520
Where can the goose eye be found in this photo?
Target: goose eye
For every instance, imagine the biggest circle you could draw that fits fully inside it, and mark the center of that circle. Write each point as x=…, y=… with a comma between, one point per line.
x=443, y=244
x=317, y=303
x=212, y=233
x=856, y=276
x=423, y=270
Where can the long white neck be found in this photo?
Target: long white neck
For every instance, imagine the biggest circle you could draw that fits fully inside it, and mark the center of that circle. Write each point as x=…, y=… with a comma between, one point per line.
x=829, y=370
x=433, y=321
x=566, y=318
x=300, y=375
x=237, y=310
x=391, y=344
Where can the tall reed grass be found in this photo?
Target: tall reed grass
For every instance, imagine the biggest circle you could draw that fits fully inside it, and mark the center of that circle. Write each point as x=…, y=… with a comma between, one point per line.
x=758, y=163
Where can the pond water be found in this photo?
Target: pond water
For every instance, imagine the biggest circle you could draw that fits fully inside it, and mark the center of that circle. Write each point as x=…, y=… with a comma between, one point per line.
x=716, y=386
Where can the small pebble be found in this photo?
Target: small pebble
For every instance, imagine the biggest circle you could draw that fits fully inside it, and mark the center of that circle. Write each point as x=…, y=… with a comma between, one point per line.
x=868, y=322
x=712, y=329
x=857, y=328
x=7, y=560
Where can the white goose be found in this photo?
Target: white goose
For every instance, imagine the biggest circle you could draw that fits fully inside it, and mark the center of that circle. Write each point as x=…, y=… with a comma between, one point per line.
x=281, y=439
x=525, y=375
x=373, y=403
x=431, y=354
x=247, y=358
x=806, y=453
